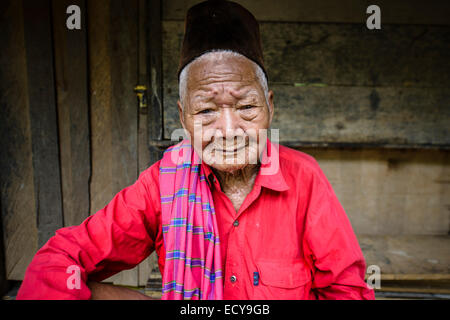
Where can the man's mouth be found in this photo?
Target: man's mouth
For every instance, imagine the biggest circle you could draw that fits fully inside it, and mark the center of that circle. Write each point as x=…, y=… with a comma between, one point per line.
x=232, y=150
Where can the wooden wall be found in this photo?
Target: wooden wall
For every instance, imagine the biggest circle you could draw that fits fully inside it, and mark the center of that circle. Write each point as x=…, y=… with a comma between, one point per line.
x=373, y=107
x=72, y=133
x=18, y=201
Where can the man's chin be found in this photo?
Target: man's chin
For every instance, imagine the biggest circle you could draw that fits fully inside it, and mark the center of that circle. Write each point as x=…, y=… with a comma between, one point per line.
x=230, y=163
x=229, y=168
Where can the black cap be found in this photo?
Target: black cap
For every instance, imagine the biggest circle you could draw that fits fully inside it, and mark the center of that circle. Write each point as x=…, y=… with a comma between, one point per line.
x=220, y=25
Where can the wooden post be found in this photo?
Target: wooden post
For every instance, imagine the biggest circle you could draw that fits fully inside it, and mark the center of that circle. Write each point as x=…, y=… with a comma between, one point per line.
x=113, y=67
x=73, y=111
x=43, y=118
x=154, y=53
x=18, y=210
x=3, y=279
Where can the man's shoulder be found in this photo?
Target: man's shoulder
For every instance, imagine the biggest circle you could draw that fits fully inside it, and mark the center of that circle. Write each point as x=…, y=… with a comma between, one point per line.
x=151, y=172
x=303, y=171
x=300, y=166
x=295, y=158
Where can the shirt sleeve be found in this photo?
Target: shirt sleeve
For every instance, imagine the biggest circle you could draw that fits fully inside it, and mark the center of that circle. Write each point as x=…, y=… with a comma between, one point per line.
x=115, y=238
x=332, y=247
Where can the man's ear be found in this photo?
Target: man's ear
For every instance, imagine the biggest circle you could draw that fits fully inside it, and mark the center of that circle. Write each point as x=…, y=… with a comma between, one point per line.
x=180, y=113
x=271, y=106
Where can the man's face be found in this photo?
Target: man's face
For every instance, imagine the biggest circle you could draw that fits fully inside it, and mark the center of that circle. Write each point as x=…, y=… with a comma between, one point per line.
x=225, y=110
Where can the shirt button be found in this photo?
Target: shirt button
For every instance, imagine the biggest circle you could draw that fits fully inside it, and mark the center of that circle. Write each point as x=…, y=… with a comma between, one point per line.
x=233, y=279
x=235, y=223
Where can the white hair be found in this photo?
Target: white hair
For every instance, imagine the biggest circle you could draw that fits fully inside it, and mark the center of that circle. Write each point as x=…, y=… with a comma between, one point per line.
x=220, y=54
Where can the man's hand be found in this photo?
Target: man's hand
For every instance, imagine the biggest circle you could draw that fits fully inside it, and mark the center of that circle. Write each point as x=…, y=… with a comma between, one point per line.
x=102, y=291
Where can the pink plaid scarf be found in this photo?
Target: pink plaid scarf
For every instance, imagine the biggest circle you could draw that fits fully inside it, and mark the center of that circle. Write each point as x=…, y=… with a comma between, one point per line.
x=193, y=265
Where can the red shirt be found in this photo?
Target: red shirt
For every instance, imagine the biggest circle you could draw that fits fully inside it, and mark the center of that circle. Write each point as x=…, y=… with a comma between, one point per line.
x=291, y=232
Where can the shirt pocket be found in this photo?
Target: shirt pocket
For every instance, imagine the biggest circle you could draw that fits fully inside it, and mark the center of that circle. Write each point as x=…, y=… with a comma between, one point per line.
x=284, y=280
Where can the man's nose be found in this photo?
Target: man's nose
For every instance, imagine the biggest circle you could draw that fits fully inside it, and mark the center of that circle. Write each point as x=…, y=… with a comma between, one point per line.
x=228, y=124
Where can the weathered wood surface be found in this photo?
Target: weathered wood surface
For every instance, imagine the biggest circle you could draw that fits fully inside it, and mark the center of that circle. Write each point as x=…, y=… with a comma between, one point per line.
x=408, y=257
x=73, y=111
x=342, y=84
x=390, y=192
x=145, y=153
x=435, y=12
x=18, y=209
x=43, y=118
x=155, y=71
x=3, y=278
x=341, y=54
x=379, y=115
x=114, y=113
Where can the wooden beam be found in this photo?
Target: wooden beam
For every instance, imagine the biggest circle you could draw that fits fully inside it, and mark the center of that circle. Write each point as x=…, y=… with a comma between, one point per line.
x=18, y=210
x=43, y=117
x=3, y=278
x=164, y=144
x=412, y=117
x=145, y=267
x=416, y=277
x=73, y=111
x=113, y=61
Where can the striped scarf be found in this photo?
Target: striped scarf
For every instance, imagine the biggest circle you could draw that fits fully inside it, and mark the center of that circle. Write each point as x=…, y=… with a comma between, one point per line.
x=193, y=263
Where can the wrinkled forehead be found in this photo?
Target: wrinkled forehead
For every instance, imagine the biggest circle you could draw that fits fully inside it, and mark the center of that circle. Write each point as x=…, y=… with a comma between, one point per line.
x=237, y=72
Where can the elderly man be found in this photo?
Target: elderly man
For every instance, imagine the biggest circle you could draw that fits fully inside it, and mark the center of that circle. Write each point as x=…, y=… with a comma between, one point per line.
x=231, y=214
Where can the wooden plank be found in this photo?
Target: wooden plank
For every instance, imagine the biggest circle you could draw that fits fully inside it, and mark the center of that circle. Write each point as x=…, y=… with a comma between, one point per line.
x=43, y=117
x=336, y=54
x=390, y=192
x=113, y=74
x=416, y=277
x=154, y=52
x=381, y=115
x=408, y=257
x=124, y=15
x=18, y=210
x=3, y=278
x=422, y=286
x=145, y=267
x=124, y=64
x=73, y=111
x=101, y=190
x=345, y=11
x=340, y=54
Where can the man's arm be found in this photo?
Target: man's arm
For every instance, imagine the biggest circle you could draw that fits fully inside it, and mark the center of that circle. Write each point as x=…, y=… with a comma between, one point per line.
x=116, y=238
x=331, y=245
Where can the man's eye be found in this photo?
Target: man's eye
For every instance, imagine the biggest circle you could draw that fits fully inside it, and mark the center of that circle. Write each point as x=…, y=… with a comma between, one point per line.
x=205, y=111
x=247, y=107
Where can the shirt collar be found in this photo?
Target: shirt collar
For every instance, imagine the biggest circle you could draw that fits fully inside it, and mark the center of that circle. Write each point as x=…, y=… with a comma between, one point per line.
x=269, y=175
